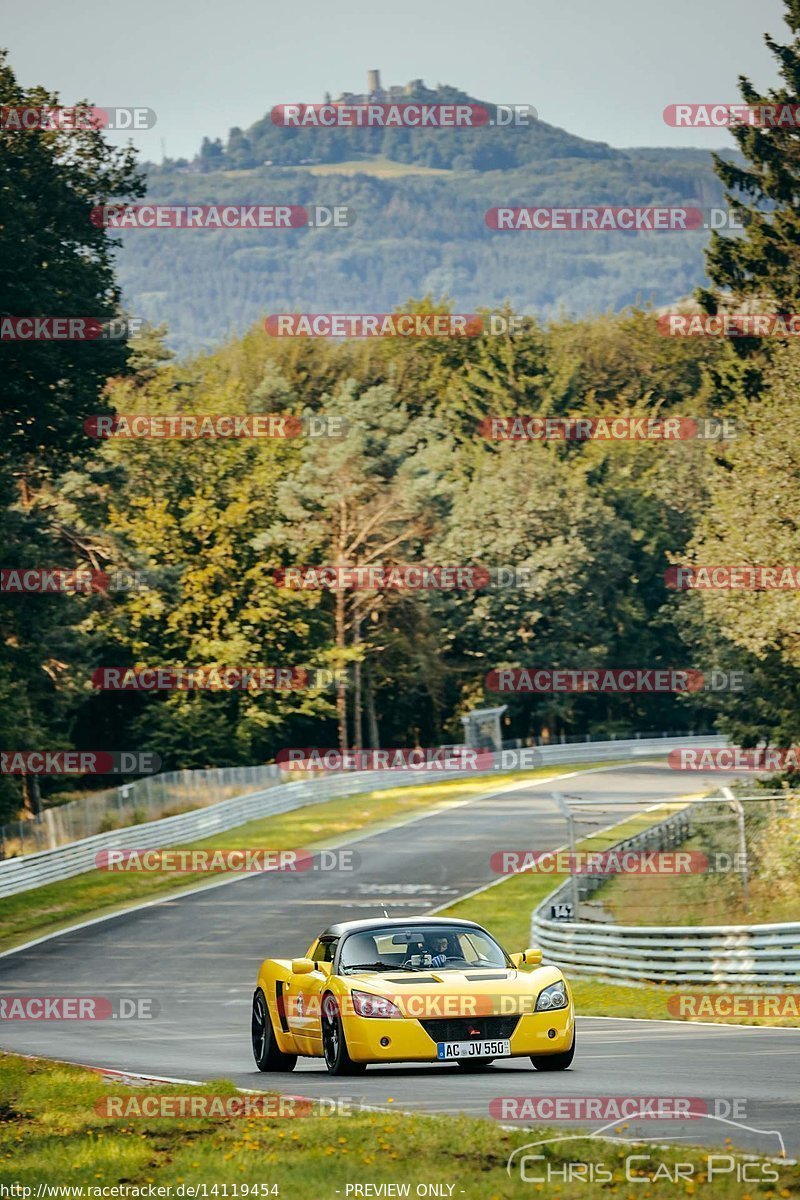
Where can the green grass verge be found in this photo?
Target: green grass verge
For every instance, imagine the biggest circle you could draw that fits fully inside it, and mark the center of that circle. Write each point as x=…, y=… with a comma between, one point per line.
x=505, y=909
x=51, y=1133
x=705, y=898
x=378, y=166
x=97, y=893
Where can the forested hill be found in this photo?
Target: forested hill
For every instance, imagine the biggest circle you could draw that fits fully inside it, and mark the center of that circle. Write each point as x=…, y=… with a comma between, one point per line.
x=488, y=148
x=420, y=199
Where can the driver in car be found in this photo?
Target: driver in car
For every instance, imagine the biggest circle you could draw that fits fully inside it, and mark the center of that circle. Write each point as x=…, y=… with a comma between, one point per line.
x=439, y=949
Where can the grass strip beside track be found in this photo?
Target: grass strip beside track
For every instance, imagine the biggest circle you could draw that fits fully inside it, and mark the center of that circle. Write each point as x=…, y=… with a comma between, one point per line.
x=51, y=1134
x=703, y=899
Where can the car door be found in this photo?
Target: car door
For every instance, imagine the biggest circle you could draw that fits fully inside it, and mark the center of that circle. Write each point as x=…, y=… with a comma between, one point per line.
x=304, y=998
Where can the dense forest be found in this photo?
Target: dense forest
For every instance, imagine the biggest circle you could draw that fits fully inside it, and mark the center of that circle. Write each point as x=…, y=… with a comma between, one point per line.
x=411, y=478
x=412, y=235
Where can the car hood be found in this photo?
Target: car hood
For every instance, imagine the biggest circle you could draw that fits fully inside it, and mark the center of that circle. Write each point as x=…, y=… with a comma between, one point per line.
x=441, y=991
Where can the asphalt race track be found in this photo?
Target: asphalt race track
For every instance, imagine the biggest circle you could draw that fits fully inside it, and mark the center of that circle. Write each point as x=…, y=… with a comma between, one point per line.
x=197, y=957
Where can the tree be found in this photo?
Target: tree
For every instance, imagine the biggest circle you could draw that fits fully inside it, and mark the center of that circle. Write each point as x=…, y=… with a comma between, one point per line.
x=212, y=154
x=365, y=499
x=750, y=518
x=54, y=262
x=190, y=514
x=764, y=261
x=527, y=510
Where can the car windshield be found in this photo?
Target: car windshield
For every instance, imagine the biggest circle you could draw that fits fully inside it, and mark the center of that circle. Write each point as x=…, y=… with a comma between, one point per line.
x=421, y=948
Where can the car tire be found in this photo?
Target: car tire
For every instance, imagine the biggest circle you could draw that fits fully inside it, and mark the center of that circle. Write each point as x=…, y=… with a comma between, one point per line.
x=554, y=1062
x=266, y=1052
x=474, y=1064
x=334, y=1043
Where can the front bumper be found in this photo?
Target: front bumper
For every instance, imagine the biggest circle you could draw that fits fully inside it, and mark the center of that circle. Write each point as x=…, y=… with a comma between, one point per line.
x=409, y=1041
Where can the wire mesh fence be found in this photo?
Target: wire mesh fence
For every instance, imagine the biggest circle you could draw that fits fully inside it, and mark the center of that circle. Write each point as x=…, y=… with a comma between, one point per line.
x=740, y=850
x=133, y=804
x=570, y=739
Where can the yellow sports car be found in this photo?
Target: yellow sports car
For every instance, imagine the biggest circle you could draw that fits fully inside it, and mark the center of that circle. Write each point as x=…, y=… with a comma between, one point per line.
x=427, y=989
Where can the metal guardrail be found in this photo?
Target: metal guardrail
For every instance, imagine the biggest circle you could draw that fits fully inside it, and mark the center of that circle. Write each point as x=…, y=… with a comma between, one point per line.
x=715, y=955
x=33, y=870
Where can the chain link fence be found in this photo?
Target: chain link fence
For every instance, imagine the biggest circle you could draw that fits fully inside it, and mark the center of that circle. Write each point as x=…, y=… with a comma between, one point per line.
x=741, y=849
x=570, y=739
x=731, y=921
x=134, y=803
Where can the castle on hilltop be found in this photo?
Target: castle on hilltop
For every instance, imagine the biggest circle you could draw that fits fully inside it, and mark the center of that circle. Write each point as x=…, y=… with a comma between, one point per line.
x=376, y=93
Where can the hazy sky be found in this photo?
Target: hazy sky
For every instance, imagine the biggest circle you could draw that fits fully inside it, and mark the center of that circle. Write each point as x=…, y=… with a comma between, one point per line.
x=601, y=70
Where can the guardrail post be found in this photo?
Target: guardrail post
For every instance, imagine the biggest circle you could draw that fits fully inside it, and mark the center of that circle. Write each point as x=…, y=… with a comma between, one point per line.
x=561, y=801
x=738, y=808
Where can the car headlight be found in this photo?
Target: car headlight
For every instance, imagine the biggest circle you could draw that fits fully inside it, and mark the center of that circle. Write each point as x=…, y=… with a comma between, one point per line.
x=554, y=996
x=365, y=1004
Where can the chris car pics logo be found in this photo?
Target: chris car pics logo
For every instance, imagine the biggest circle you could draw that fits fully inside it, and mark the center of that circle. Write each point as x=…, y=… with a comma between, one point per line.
x=533, y=1164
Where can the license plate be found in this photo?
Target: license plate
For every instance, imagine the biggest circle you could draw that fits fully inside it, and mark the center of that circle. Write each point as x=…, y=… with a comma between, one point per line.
x=498, y=1048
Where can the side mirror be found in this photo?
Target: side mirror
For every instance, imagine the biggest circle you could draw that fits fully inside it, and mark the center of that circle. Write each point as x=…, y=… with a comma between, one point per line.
x=530, y=957
x=303, y=966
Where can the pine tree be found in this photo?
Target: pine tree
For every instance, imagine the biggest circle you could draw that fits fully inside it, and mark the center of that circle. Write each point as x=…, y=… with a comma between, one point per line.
x=764, y=261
